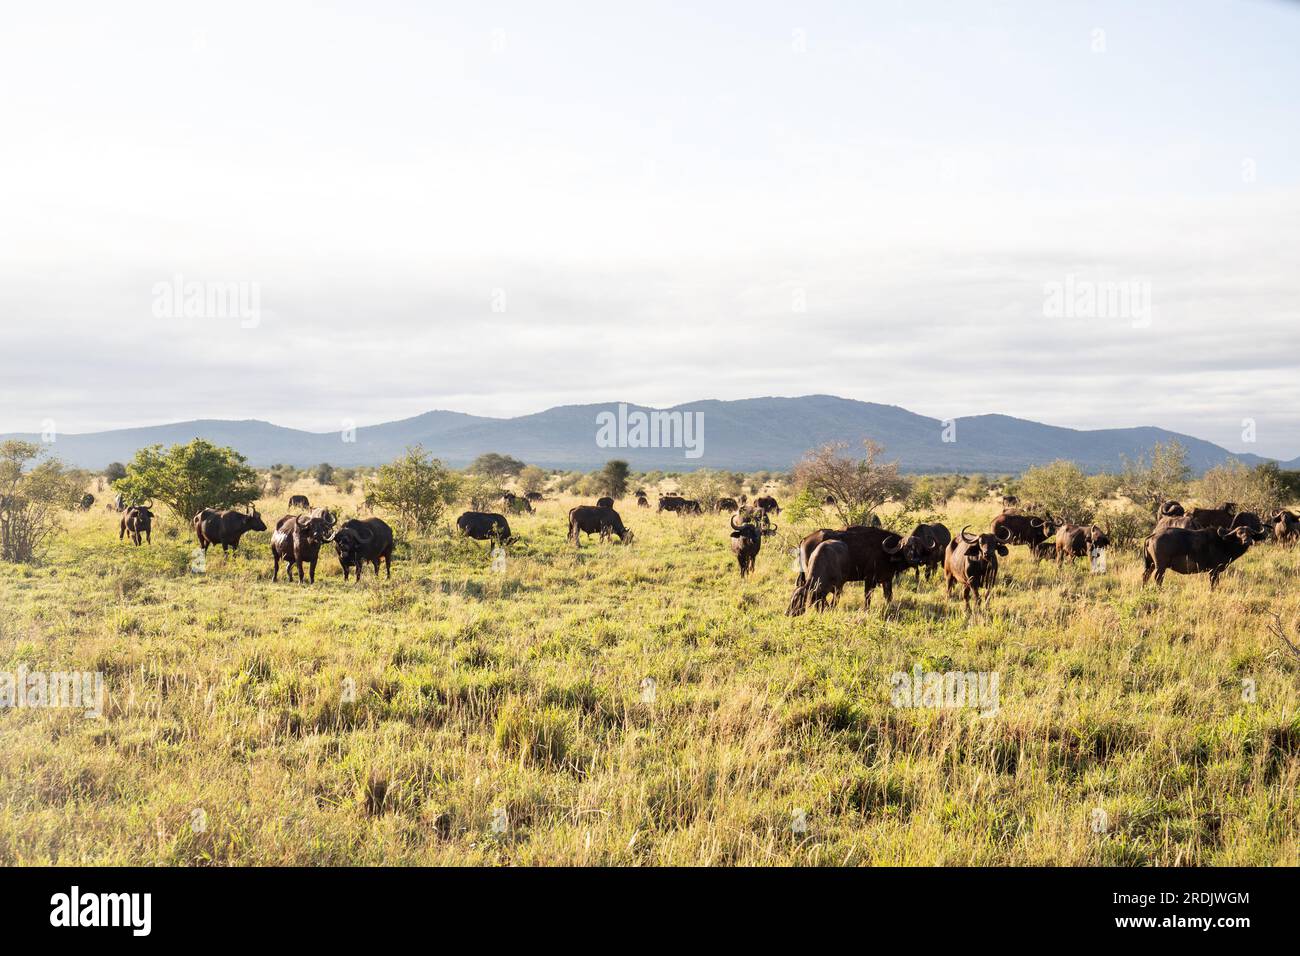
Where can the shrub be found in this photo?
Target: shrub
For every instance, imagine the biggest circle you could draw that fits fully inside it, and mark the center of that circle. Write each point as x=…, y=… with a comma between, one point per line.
x=187, y=478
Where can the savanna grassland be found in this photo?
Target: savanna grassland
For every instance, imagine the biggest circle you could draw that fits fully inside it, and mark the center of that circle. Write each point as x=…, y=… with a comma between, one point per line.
x=499, y=714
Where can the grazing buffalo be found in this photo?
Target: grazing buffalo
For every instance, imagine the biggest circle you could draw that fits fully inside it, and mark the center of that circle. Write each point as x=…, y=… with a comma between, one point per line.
x=876, y=556
x=588, y=519
x=1215, y=517
x=642, y=502
x=768, y=504
x=670, y=503
x=534, y=496
x=829, y=569
x=1023, y=529
x=727, y=504
x=605, y=502
x=298, y=539
x=225, y=527
x=298, y=501
x=364, y=539
x=484, y=526
x=1043, y=551
x=1010, y=501
x=1193, y=551
x=972, y=561
x=933, y=540
x=516, y=505
x=746, y=541
x=690, y=506
x=137, y=520
x=1286, y=527
x=87, y=501
x=1078, y=541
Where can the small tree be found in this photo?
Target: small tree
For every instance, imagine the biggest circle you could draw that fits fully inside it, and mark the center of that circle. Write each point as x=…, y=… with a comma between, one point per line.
x=324, y=473
x=31, y=499
x=1063, y=489
x=494, y=465
x=1158, y=476
x=479, y=491
x=188, y=478
x=706, y=487
x=1251, y=489
x=612, y=479
x=858, y=485
x=416, y=488
x=114, y=471
x=531, y=479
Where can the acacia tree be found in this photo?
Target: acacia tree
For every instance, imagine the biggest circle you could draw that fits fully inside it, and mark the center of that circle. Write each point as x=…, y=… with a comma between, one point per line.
x=1251, y=489
x=188, y=478
x=612, y=479
x=31, y=499
x=495, y=465
x=416, y=488
x=1063, y=489
x=858, y=485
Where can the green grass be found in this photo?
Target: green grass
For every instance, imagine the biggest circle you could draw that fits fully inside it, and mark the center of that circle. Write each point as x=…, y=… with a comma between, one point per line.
x=479, y=692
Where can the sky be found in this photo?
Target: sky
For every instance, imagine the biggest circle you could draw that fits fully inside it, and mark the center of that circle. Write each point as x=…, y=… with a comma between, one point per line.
x=500, y=207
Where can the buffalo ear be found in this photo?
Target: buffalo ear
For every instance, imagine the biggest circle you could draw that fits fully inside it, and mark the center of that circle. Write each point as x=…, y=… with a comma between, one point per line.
x=1002, y=550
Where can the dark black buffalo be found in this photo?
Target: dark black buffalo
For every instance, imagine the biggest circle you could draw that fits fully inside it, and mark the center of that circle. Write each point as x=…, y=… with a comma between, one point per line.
x=1010, y=501
x=642, y=502
x=876, y=558
x=515, y=504
x=1193, y=551
x=605, y=502
x=87, y=501
x=298, y=539
x=829, y=569
x=1078, y=541
x=225, y=527
x=1248, y=520
x=298, y=501
x=972, y=561
x=534, y=496
x=1215, y=517
x=768, y=504
x=727, y=504
x=484, y=526
x=746, y=542
x=137, y=520
x=588, y=519
x=828, y=500
x=1170, y=509
x=364, y=539
x=1023, y=529
x=933, y=539
x=670, y=503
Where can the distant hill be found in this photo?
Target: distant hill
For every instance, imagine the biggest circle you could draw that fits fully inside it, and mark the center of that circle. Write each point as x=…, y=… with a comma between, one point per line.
x=749, y=434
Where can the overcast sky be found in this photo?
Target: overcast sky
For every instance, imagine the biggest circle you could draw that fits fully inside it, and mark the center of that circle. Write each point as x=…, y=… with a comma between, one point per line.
x=499, y=207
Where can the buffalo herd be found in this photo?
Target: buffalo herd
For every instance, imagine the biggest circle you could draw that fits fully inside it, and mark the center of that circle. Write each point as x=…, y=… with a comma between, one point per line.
x=1187, y=541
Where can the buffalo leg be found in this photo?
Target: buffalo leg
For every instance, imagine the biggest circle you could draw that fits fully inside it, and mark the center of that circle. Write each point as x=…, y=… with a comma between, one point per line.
x=275, y=569
x=313, y=570
x=888, y=588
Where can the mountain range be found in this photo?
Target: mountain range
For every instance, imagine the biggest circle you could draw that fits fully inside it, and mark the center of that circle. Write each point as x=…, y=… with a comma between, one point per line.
x=747, y=434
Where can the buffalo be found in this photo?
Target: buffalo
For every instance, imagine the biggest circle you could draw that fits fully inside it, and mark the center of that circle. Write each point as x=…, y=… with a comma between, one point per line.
x=768, y=504
x=1170, y=509
x=588, y=519
x=515, y=505
x=484, y=526
x=362, y=540
x=876, y=557
x=225, y=527
x=670, y=503
x=746, y=541
x=1286, y=526
x=972, y=561
x=829, y=569
x=605, y=502
x=1077, y=541
x=1023, y=529
x=137, y=520
x=298, y=501
x=298, y=539
x=533, y=496
x=933, y=538
x=1176, y=521
x=828, y=500
x=727, y=504
x=1248, y=520
x=1220, y=517
x=1010, y=501
x=642, y=502
x=1193, y=551
x=87, y=501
